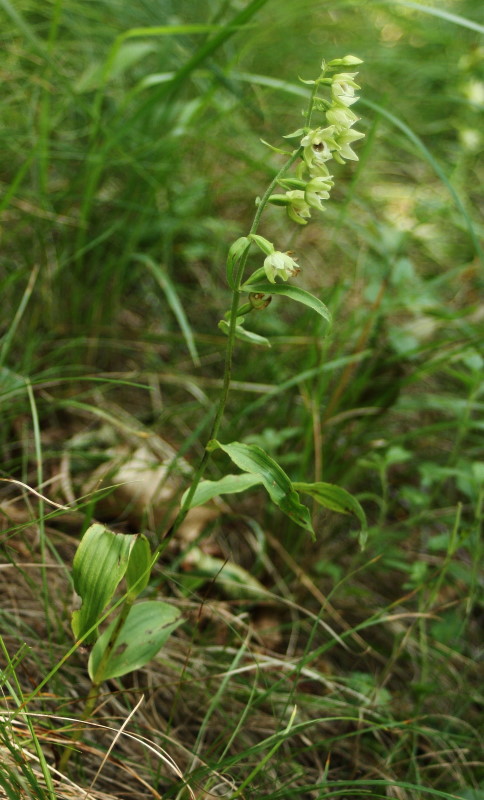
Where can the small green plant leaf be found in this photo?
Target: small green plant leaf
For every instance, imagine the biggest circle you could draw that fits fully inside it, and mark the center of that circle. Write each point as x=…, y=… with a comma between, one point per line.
x=229, y=484
x=147, y=627
x=138, y=571
x=276, y=149
x=300, y=131
x=243, y=335
x=370, y=693
x=336, y=499
x=251, y=458
x=99, y=564
x=294, y=293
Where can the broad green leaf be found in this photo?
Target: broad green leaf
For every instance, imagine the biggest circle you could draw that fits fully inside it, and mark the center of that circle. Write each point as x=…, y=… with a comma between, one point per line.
x=138, y=571
x=229, y=484
x=251, y=458
x=236, y=253
x=234, y=580
x=245, y=336
x=147, y=627
x=336, y=499
x=99, y=564
x=294, y=293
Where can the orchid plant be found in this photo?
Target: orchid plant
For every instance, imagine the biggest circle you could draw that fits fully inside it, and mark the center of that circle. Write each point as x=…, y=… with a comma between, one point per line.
x=104, y=558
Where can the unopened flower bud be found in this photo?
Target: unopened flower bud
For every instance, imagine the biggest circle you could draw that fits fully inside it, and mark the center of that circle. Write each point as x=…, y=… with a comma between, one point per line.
x=346, y=61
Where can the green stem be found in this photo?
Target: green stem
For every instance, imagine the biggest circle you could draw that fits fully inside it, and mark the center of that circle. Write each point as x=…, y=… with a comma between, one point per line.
x=121, y=619
x=89, y=706
x=274, y=183
x=227, y=376
x=93, y=696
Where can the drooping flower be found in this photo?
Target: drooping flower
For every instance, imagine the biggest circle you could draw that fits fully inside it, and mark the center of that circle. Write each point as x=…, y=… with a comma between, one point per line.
x=318, y=169
x=341, y=116
x=318, y=189
x=298, y=209
x=343, y=88
x=344, y=140
x=318, y=145
x=280, y=265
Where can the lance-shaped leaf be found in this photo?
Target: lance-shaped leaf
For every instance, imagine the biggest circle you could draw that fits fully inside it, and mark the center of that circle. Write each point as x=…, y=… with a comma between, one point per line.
x=99, y=564
x=336, y=499
x=147, y=627
x=139, y=567
x=245, y=336
x=251, y=458
x=229, y=484
x=294, y=293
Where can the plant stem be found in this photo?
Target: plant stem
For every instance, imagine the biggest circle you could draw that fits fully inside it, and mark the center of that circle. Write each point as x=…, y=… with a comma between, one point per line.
x=229, y=350
x=93, y=696
x=89, y=706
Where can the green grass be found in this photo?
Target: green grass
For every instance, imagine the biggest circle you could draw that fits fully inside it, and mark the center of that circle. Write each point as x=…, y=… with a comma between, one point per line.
x=129, y=163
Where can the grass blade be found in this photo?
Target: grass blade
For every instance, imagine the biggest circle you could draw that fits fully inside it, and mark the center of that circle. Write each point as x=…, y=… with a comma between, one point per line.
x=173, y=301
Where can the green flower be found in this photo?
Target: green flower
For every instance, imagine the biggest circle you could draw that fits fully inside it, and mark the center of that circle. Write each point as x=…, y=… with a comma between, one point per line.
x=344, y=140
x=343, y=88
x=318, y=145
x=318, y=189
x=280, y=265
x=298, y=210
x=341, y=116
x=316, y=170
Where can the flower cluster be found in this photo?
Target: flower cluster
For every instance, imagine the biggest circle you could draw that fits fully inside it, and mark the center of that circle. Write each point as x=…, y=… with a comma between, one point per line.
x=320, y=145
x=308, y=189
x=334, y=141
